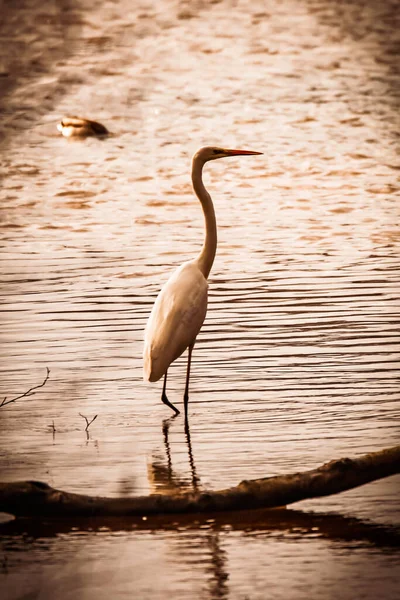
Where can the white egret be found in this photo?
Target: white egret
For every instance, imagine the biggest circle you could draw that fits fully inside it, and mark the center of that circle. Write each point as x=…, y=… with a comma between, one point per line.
x=180, y=308
x=79, y=127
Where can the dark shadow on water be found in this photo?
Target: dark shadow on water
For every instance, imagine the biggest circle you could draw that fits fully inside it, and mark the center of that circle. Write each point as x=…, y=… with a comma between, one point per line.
x=35, y=37
x=294, y=524
x=375, y=24
x=206, y=532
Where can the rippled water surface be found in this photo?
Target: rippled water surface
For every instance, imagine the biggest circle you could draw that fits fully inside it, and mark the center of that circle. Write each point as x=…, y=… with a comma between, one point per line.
x=297, y=362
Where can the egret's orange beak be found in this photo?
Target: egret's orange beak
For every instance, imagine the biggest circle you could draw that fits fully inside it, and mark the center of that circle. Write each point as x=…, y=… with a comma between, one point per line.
x=239, y=152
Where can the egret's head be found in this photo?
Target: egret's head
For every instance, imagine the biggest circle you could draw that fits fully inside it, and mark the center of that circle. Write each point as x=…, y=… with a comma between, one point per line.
x=212, y=153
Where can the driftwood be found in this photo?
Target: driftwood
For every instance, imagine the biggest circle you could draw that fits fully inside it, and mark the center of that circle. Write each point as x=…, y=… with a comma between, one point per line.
x=32, y=498
x=29, y=392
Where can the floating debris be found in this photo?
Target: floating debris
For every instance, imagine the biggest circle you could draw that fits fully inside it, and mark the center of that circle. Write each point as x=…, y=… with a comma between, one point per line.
x=79, y=127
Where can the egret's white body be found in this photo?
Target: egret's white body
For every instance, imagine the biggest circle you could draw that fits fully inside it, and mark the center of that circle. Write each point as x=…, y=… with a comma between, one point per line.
x=176, y=319
x=181, y=306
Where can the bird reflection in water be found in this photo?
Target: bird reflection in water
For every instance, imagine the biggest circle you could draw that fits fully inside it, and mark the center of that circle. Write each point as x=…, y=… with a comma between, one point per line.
x=163, y=479
x=218, y=568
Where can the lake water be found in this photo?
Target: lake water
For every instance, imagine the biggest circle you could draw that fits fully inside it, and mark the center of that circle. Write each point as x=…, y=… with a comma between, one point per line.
x=298, y=360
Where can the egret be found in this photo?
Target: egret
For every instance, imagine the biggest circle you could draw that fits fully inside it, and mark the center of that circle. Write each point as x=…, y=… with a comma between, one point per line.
x=79, y=127
x=180, y=308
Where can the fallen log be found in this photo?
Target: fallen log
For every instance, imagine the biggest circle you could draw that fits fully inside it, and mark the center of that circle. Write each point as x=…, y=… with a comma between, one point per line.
x=34, y=498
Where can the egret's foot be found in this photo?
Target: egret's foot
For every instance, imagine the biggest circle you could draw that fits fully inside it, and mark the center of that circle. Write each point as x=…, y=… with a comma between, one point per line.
x=168, y=403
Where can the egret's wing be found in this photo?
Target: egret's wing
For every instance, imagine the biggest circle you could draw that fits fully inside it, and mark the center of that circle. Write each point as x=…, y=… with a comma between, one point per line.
x=175, y=320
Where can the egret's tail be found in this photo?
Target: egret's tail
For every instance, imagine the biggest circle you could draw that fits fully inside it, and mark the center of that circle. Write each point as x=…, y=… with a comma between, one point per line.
x=152, y=370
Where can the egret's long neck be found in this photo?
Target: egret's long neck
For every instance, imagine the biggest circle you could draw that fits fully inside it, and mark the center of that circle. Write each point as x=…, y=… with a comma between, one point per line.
x=206, y=257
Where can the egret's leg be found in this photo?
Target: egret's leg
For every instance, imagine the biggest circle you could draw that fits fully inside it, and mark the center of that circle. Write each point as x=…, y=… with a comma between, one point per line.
x=164, y=395
x=186, y=395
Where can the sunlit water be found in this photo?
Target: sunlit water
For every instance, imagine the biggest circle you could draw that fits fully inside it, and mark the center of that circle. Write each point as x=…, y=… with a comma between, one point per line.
x=297, y=362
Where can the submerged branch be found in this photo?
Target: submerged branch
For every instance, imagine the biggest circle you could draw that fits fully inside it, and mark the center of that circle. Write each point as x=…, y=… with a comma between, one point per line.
x=28, y=498
x=88, y=423
x=30, y=392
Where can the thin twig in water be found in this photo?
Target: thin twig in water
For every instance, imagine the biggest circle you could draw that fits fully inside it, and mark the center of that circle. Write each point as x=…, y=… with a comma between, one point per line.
x=88, y=423
x=30, y=392
x=53, y=428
